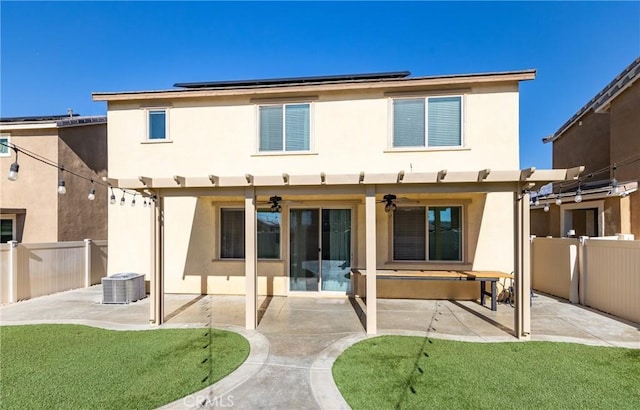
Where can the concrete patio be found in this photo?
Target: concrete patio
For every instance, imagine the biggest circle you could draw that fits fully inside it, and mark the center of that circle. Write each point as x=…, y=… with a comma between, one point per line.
x=298, y=338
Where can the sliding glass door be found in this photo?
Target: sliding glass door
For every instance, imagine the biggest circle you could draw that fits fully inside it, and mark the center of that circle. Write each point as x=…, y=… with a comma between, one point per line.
x=320, y=250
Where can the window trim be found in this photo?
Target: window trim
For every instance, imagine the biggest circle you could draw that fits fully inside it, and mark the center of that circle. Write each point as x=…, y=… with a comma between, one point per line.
x=425, y=147
x=240, y=208
x=283, y=151
x=463, y=219
x=8, y=137
x=147, y=128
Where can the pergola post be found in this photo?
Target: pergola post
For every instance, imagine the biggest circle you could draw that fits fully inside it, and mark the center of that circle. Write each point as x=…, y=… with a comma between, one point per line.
x=370, y=243
x=156, y=314
x=250, y=258
x=522, y=317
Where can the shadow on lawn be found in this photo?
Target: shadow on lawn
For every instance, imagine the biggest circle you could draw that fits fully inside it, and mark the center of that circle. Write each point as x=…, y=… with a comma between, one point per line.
x=418, y=368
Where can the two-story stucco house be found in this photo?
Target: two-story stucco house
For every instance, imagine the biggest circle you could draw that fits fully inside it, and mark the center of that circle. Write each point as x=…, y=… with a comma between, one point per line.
x=307, y=186
x=35, y=150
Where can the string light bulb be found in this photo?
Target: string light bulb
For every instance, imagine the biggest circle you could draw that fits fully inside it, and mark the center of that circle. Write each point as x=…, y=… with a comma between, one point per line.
x=144, y=203
x=536, y=202
x=92, y=194
x=133, y=201
x=112, y=199
x=122, y=199
x=558, y=200
x=546, y=207
x=578, y=197
x=13, y=171
x=61, y=187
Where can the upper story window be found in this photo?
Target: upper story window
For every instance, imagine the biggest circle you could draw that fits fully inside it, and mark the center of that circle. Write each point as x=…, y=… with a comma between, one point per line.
x=157, y=124
x=431, y=233
x=427, y=122
x=284, y=127
x=4, y=146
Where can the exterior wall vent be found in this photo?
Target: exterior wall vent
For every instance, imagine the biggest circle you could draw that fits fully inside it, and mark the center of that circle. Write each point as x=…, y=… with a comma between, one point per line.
x=123, y=288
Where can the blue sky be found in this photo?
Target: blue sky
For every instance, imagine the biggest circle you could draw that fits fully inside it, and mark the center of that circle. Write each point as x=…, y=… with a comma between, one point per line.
x=55, y=54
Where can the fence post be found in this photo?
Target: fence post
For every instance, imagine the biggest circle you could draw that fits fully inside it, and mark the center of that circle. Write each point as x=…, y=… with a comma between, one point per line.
x=582, y=268
x=13, y=275
x=87, y=263
x=574, y=273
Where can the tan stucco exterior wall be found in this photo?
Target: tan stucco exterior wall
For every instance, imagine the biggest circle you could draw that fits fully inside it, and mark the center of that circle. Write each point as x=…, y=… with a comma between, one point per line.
x=83, y=150
x=350, y=133
x=585, y=143
x=36, y=187
x=220, y=137
x=625, y=143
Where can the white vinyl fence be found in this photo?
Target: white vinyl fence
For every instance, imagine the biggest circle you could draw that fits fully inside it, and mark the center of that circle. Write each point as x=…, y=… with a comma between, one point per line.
x=32, y=270
x=599, y=273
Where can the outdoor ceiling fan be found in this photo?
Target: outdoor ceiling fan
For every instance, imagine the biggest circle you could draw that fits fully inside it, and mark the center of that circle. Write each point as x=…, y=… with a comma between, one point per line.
x=389, y=201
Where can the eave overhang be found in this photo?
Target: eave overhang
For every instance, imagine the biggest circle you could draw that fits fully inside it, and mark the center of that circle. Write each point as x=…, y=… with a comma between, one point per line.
x=387, y=85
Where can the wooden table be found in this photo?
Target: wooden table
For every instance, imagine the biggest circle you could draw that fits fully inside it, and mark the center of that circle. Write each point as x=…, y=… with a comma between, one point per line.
x=461, y=275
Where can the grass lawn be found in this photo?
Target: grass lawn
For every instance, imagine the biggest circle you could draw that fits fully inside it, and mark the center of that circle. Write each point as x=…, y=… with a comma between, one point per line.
x=392, y=372
x=81, y=367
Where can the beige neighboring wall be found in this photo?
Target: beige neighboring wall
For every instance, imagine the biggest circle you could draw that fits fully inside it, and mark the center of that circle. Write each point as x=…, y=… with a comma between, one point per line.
x=36, y=186
x=625, y=143
x=83, y=150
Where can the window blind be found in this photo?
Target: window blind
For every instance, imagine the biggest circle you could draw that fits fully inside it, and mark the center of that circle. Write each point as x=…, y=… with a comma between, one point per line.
x=157, y=125
x=232, y=233
x=271, y=128
x=297, y=127
x=445, y=122
x=408, y=122
x=409, y=234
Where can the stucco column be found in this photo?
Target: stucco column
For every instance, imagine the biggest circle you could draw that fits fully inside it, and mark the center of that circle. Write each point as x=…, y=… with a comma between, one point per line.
x=370, y=243
x=522, y=319
x=153, y=216
x=250, y=258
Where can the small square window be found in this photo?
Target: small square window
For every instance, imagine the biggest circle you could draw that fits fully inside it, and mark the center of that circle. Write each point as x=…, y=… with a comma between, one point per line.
x=157, y=125
x=4, y=146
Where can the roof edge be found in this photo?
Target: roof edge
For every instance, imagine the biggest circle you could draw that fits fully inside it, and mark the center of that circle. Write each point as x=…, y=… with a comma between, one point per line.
x=519, y=75
x=602, y=99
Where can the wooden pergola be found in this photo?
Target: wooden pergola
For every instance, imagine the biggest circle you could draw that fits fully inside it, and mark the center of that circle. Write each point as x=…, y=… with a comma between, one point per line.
x=367, y=186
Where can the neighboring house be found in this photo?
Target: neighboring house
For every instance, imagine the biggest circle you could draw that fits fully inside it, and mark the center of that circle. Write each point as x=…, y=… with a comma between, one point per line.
x=31, y=209
x=604, y=136
x=363, y=171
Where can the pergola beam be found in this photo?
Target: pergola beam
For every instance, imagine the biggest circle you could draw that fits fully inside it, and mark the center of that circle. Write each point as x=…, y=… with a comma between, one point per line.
x=443, y=177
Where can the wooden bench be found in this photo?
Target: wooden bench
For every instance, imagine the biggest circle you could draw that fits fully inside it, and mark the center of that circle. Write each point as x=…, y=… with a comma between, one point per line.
x=461, y=275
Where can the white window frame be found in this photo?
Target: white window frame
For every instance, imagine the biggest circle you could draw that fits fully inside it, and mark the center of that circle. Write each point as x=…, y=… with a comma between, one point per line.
x=310, y=151
x=147, y=113
x=13, y=220
x=426, y=211
x=426, y=146
x=8, y=142
x=240, y=208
